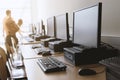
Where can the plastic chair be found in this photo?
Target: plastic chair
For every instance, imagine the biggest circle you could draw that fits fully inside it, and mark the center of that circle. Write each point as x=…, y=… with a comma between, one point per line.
x=3, y=68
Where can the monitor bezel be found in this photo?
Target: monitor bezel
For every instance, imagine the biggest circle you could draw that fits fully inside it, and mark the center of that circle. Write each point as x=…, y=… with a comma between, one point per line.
x=99, y=24
x=67, y=26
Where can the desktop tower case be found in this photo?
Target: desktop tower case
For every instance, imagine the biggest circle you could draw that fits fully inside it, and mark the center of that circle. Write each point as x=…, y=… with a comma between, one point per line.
x=57, y=46
x=72, y=55
x=79, y=57
x=88, y=55
x=46, y=41
x=38, y=38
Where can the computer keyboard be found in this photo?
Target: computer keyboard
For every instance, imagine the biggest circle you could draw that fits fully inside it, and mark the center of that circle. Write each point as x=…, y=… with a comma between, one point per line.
x=34, y=46
x=51, y=64
x=29, y=39
x=114, y=61
x=112, y=68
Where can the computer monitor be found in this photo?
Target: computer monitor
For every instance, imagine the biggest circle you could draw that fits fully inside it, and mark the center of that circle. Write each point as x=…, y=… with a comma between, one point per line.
x=51, y=26
x=43, y=28
x=87, y=26
x=62, y=28
x=39, y=28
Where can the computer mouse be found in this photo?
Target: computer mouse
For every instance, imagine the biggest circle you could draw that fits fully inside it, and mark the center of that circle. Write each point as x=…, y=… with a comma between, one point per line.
x=86, y=72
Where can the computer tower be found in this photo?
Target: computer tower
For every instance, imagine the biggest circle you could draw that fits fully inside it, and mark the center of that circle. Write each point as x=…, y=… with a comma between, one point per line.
x=72, y=55
x=46, y=41
x=57, y=46
x=39, y=37
x=88, y=55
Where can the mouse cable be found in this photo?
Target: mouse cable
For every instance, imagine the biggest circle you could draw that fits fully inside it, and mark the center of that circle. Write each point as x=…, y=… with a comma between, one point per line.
x=100, y=71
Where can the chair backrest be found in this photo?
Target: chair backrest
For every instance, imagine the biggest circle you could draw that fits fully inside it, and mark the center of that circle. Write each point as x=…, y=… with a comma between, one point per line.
x=3, y=68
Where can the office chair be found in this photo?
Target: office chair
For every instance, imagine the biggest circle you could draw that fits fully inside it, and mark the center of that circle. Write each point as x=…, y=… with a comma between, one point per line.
x=3, y=68
x=8, y=72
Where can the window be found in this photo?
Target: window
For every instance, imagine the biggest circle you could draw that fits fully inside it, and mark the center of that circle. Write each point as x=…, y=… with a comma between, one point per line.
x=19, y=9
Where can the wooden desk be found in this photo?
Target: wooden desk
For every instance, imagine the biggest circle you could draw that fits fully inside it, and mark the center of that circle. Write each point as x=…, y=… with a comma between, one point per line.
x=34, y=72
x=27, y=40
x=29, y=53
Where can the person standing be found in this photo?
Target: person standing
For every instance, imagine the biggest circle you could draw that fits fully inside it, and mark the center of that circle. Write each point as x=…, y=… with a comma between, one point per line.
x=9, y=30
x=19, y=32
x=20, y=22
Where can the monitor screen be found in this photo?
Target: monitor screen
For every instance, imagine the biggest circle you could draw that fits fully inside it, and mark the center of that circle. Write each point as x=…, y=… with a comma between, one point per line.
x=87, y=26
x=51, y=26
x=62, y=29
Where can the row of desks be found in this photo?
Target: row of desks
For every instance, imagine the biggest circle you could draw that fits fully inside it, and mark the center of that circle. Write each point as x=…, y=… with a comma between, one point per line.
x=34, y=72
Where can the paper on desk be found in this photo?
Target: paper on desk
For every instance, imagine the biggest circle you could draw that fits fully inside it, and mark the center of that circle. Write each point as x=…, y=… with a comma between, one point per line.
x=16, y=73
x=18, y=63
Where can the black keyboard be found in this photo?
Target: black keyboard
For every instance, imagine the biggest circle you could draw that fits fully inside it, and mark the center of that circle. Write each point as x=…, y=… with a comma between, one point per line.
x=51, y=64
x=114, y=61
x=112, y=68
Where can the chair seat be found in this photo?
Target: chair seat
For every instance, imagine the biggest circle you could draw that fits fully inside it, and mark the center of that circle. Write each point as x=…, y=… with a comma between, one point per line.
x=16, y=73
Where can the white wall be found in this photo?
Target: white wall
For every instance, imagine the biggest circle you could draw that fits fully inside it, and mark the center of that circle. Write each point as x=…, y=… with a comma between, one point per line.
x=110, y=15
x=111, y=18
x=34, y=11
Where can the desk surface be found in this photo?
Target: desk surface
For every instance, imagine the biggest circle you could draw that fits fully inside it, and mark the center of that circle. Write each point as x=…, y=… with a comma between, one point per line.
x=29, y=53
x=34, y=72
x=26, y=40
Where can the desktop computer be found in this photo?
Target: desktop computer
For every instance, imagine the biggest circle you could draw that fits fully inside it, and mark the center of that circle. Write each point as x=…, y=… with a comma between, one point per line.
x=57, y=46
x=87, y=33
x=80, y=56
x=39, y=37
x=38, y=32
x=56, y=25
x=46, y=41
x=51, y=32
x=62, y=33
x=73, y=55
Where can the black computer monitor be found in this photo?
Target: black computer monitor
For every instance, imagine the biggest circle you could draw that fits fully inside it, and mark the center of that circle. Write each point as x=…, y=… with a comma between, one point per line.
x=38, y=27
x=42, y=26
x=51, y=26
x=62, y=28
x=87, y=26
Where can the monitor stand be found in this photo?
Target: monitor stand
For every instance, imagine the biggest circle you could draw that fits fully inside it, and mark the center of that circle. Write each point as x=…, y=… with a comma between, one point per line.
x=57, y=46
